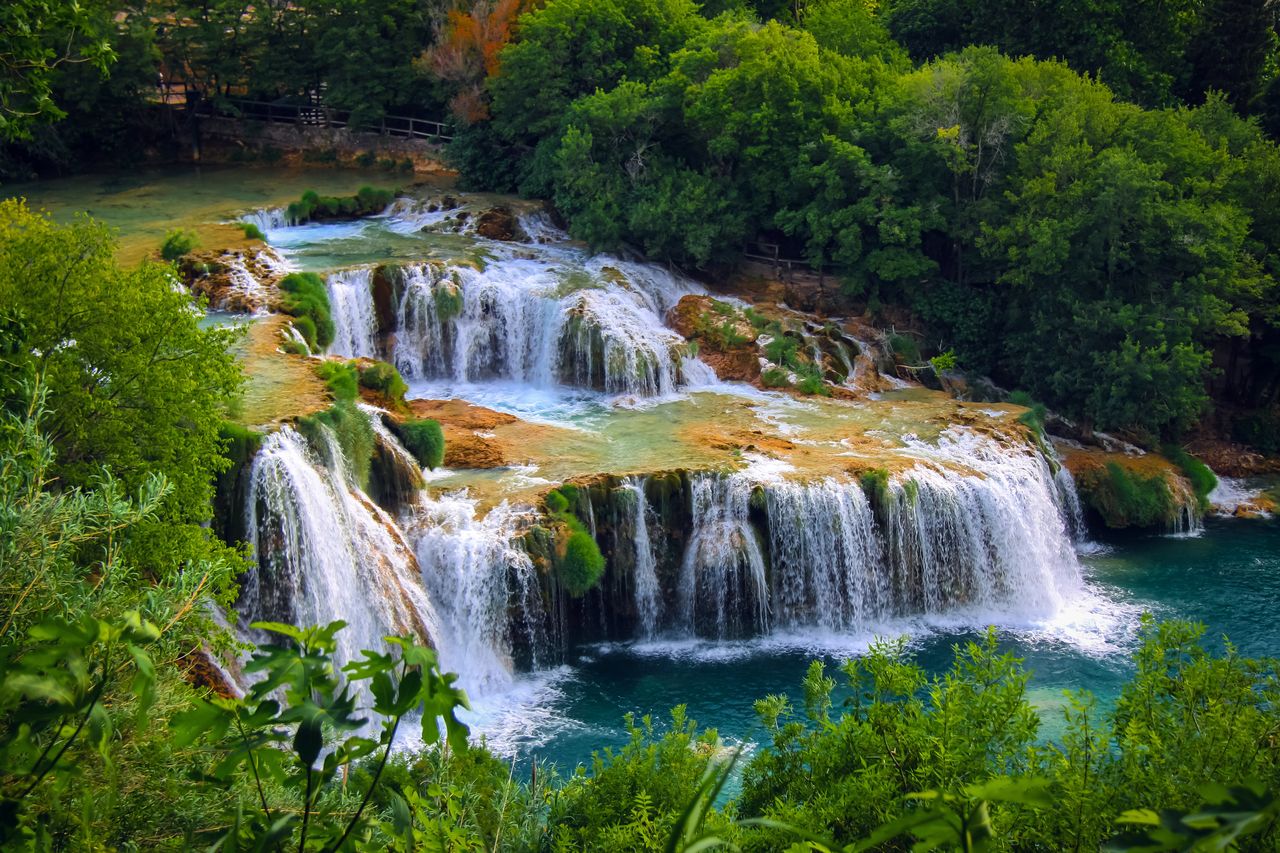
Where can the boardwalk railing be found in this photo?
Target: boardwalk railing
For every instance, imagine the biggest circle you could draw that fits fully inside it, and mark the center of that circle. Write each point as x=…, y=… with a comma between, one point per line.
x=771, y=254
x=314, y=115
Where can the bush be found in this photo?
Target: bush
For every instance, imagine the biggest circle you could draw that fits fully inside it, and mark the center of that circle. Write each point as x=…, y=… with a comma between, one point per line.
x=386, y=380
x=424, y=439
x=776, y=377
x=304, y=295
x=582, y=565
x=944, y=361
x=176, y=244
x=312, y=205
x=252, y=231
x=811, y=381
x=340, y=378
x=1260, y=429
x=372, y=200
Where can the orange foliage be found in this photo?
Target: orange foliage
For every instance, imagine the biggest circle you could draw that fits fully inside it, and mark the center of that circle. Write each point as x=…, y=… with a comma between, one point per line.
x=467, y=51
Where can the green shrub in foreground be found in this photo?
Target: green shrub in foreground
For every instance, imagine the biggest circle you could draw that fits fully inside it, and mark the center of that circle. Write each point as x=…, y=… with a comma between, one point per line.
x=304, y=295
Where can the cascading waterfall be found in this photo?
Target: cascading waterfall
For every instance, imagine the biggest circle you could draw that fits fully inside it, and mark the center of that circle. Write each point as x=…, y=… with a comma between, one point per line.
x=524, y=320
x=326, y=552
x=355, y=321
x=268, y=220
x=825, y=554
x=976, y=528
x=648, y=593
x=485, y=586
x=723, y=589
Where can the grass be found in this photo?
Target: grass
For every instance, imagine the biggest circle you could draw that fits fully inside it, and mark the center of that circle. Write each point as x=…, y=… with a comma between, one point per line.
x=385, y=380
x=905, y=348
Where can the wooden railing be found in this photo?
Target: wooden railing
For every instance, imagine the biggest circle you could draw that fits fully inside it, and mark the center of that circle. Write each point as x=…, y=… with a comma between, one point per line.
x=771, y=254
x=314, y=115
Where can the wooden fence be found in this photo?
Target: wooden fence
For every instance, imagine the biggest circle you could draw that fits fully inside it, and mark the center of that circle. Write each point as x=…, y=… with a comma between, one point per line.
x=314, y=115
x=783, y=268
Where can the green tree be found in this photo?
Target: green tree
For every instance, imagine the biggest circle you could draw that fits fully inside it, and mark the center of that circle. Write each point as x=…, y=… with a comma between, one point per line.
x=140, y=387
x=38, y=37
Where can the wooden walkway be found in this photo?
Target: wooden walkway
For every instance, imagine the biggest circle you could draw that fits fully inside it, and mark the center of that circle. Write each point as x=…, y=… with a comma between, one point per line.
x=314, y=115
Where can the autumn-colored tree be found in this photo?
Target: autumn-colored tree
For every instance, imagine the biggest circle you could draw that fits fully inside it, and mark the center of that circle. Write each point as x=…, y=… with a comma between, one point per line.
x=467, y=52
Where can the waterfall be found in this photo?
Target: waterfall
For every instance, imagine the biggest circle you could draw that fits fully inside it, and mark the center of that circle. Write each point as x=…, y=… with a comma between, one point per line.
x=355, y=321
x=324, y=552
x=825, y=556
x=723, y=591
x=267, y=220
x=648, y=594
x=533, y=322
x=974, y=528
x=486, y=588
x=1069, y=502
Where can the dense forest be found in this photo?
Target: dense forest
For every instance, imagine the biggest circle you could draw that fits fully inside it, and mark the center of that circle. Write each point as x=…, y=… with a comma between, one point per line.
x=1078, y=199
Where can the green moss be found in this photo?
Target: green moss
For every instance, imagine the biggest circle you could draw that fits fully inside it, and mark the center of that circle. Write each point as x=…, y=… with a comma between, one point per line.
x=448, y=301
x=176, y=244
x=1034, y=417
x=366, y=159
x=252, y=231
x=582, y=565
x=351, y=430
x=875, y=484
x=424, y=438
x=1203, y=480
x=304, y=295
x=239, y=443
x=384, y=379
x=556, y=501
x=340, y=378
x=293, y=347
x=1126, y=499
